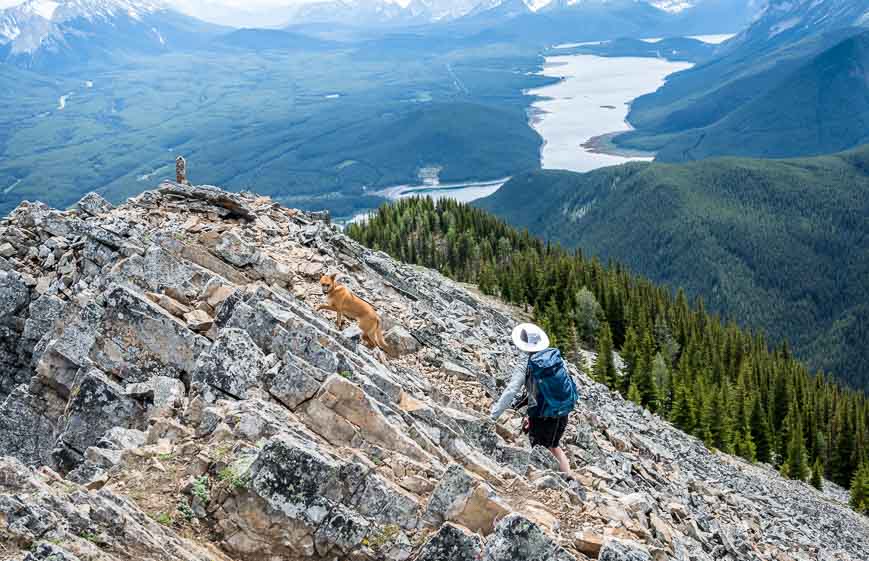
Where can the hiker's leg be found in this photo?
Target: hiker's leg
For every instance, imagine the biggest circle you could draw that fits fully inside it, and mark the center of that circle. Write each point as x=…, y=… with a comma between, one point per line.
x=563, y=464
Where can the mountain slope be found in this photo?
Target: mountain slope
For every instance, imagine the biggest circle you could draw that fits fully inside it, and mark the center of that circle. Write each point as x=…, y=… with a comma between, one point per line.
x=240, y=418
x=273, y=39
x=787, y=37
x=46, y=35
x=780, y=245
x=822, y=108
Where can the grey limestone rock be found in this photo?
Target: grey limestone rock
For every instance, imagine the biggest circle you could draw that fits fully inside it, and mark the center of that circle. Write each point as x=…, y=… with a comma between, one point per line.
x=401, y=342
x=294, y=381
x=93, y=204
x=450, y=494
x=233, y=365
x=14, y=294
x=518, y=538
x=452, y=543
x=617, y=550
x=234, y=249
x=97, y=406
x=137, y=340
x=26, y=432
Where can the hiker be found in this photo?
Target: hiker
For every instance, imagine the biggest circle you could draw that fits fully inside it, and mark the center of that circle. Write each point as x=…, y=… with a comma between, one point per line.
x=550, y=391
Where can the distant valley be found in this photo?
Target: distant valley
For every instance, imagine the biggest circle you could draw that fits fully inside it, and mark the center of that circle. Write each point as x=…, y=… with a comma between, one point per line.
x=779, y=245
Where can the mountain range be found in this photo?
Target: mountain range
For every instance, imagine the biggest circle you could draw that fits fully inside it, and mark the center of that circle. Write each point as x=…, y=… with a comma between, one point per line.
x=781, y=245
x=792, y=84
x=49, y=35
x=43, y=34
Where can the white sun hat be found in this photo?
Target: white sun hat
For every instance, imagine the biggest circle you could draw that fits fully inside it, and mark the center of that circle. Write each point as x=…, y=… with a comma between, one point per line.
x=530, y=338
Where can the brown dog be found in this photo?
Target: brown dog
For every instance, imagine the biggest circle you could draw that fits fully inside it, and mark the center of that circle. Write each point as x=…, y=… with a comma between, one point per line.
x=345, y=303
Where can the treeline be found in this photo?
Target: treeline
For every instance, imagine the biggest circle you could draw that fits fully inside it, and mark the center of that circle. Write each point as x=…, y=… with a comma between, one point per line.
x=714, y=380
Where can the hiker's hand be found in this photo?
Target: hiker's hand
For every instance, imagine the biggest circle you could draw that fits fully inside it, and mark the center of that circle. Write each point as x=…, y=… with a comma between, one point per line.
x=526, y=425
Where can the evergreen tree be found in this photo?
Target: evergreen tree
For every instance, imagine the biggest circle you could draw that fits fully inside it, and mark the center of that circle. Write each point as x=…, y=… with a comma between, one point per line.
x=634, y=394
x=604, y=368
x=760, y=433
x=587, y=314
x=818, y=475
x=715, y=379
x=630, y=355
x=643, y=376
x=683, y=413
x=661, y=377
x=745, y=447
x=797, y=455
x=860, y=490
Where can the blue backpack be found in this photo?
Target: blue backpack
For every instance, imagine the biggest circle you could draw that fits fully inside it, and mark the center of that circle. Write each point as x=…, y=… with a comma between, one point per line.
x=556, y=390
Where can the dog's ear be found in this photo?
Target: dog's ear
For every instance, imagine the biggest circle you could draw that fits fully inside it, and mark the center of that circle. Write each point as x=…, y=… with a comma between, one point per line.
x=332, y=276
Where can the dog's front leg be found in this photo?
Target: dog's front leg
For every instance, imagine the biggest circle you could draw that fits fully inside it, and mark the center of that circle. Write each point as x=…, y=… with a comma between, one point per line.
x=329, y=307
x=340, y=320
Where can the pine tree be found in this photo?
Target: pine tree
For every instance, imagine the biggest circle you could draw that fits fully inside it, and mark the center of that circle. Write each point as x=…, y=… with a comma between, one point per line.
x=745, y=447
x=643, y=377
x=683, y=413
x=604, y=368
x=702, y=429
x=634, y=394
x=797, y=455
x=630, y=355
x=860, y=489
x=705, y=361
x=760, y=433
x=661, y=377
x=487, y=281
x=818, y=475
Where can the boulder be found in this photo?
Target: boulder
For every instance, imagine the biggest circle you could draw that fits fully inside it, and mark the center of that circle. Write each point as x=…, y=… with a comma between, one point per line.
x=341, y=402
x=450, y=495
x=42, y=315
x=233, y=365
x=401, y=342
x=620, y=550
x=516, y=538
x=460, y=372
x=294, y=381
x=160, y=394
x=49, y=552
x=14, y=294
x=588, y=543
x=26, y=431
x=235, y=250
x=451, y=543
x=137, y=340
x=93, y=204
x=198, y=320
x=97, y=405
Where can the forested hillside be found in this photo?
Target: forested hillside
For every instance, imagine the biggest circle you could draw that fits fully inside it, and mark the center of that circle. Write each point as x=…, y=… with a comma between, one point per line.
x=778, y=89
x=821, y=108
x=710, y=378
x=777, y=245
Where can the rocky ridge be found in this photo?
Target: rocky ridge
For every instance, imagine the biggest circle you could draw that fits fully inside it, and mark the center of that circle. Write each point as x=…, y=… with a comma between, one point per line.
x=168, y=392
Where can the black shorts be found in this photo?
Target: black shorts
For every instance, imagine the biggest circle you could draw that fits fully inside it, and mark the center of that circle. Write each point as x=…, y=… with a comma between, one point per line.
x=547, y=431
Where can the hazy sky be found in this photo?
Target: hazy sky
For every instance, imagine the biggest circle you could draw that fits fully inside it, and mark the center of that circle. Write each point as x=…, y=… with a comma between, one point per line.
x=228, y=12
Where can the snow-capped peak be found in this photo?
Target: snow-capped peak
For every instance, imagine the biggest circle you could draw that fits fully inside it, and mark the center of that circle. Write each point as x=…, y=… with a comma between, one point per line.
x=29, y=25
x=673, y=6
x=63, y=10
x=42, y=8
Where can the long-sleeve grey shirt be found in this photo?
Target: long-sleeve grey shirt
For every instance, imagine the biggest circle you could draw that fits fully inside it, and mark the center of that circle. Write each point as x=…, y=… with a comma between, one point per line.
x=514, y=386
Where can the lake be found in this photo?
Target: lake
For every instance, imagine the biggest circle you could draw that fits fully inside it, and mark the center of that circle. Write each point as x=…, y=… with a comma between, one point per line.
x=591, y=100
x=575, y=117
